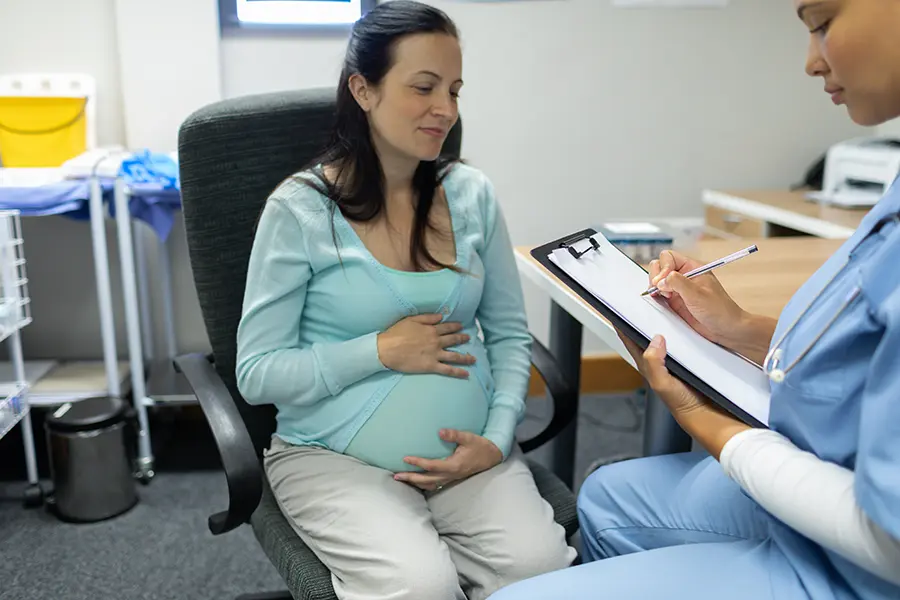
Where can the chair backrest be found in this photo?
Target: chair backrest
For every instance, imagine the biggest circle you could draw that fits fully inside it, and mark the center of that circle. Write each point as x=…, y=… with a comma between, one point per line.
x=232, y=154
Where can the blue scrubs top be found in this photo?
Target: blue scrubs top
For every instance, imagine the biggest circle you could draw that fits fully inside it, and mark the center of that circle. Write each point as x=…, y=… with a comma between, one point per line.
x=841, y=401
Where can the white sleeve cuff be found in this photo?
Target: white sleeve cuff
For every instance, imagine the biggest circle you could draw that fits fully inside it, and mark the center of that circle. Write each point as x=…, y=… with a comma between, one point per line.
x=813, y=496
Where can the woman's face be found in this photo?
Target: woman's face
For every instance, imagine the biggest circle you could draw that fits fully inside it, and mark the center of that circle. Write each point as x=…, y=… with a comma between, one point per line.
x=855, y=48
x=414, y=107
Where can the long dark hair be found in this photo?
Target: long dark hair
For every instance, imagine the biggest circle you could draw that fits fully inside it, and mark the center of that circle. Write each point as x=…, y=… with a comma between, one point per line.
x=358, y=187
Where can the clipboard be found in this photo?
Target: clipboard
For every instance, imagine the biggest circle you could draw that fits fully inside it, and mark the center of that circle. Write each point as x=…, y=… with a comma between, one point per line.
x=542, y=255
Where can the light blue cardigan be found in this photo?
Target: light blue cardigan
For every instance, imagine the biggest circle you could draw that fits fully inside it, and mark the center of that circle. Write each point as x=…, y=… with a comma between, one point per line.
x=307, y=337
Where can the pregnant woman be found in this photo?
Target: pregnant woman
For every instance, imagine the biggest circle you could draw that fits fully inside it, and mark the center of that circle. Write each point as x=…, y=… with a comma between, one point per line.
x=394, y=454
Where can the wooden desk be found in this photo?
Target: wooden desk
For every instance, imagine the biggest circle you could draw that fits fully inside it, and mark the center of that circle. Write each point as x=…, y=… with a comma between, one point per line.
x=762, y=283
x=770, y=213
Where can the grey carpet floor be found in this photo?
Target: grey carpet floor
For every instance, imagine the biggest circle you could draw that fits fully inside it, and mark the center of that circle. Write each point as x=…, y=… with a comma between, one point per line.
x=162, y=550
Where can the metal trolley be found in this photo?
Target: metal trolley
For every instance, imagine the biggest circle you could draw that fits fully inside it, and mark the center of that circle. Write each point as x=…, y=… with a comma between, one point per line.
x=15, y=313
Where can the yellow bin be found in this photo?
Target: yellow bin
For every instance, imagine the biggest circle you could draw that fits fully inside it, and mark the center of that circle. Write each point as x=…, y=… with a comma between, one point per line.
x=41, y=131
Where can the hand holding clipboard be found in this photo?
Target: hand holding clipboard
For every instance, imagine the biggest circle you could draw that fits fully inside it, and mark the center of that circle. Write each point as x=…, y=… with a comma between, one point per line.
x=613, y=284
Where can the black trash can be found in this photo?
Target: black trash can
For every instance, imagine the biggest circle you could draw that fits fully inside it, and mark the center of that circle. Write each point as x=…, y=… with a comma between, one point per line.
x=91, y=459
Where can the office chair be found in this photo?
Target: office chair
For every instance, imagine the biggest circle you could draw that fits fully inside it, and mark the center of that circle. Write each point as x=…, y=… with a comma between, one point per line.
x=232, y=154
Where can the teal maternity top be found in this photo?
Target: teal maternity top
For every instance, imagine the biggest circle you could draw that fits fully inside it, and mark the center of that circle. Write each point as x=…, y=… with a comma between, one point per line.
x=316, y=299
x=410, y=416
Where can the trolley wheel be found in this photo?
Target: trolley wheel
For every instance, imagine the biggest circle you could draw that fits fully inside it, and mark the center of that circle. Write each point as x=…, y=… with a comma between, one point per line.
x=34, y=496
x=145, y=475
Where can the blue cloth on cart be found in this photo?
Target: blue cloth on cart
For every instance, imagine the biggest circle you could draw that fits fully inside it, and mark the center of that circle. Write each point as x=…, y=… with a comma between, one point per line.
x=69, y=197
x=152, y=179
x=154, y=205
x=153, y=169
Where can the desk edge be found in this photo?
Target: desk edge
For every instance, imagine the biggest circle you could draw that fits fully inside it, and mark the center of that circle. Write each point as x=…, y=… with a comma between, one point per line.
x=779, y=216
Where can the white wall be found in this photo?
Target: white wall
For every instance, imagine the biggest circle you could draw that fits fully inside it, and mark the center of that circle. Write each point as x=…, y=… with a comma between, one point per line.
x=892, y=128
x=579, y=112
x=171, y=50
x=253, y=64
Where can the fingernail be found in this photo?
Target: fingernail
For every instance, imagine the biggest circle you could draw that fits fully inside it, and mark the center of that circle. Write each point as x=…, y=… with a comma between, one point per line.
x=663, y=284
x=656, y=342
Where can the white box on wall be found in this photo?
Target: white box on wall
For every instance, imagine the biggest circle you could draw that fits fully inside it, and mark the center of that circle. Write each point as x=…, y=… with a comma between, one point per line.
x=170, y=66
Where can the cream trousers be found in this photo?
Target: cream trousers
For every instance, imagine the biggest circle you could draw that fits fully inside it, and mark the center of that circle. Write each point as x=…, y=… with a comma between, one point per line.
x=386, y=540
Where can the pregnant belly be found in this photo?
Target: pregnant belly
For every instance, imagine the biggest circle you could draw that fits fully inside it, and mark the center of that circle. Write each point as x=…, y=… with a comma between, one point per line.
x=408, y=420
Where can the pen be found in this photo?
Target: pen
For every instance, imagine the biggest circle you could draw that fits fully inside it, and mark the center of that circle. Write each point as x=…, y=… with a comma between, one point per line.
x=710, y=266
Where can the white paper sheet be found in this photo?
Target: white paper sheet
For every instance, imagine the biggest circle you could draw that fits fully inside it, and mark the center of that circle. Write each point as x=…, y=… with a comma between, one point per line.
x=617, y=282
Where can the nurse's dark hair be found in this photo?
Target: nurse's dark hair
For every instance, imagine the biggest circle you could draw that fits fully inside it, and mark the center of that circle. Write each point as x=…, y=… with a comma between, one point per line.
x=358, y=188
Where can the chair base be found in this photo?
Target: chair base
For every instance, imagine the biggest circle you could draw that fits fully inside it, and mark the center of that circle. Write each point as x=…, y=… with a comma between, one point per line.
x=285, y=595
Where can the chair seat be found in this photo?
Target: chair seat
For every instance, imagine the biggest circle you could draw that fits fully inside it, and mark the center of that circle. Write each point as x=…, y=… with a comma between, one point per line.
x=561, y=498
x=305, y=575
x=308, y=579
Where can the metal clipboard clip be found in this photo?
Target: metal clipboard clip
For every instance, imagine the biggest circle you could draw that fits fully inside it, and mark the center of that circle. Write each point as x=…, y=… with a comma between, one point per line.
x=569, y=245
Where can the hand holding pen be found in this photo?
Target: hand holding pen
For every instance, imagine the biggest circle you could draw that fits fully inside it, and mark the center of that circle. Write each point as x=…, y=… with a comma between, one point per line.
x=706, y=307
x=700, y=270
x=701, y=302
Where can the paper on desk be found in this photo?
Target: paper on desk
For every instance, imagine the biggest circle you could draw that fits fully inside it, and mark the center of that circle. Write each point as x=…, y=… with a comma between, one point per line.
x=848, y=198
x=618, y=282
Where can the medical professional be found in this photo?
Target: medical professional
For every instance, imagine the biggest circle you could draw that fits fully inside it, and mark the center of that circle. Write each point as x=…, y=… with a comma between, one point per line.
x=809, y=508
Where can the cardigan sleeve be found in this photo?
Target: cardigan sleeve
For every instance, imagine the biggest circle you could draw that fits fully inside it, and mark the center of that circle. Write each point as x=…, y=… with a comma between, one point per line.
x=501, y=315
x=272, y=365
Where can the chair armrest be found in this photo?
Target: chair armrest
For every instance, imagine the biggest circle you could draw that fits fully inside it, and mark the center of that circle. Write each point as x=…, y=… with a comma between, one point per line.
x=564, y=394
x=242, y=469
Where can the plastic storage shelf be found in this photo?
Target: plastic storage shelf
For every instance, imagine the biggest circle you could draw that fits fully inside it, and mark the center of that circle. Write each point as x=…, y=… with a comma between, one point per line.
x=13, y=408
x=15, y=313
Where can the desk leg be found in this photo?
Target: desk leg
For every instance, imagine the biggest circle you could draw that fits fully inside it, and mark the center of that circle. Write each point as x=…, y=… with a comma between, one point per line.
x=565, y=346
x=662, y=433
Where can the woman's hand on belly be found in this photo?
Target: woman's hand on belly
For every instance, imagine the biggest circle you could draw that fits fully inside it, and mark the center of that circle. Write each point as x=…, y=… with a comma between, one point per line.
x=473, y=455
x=420, y=344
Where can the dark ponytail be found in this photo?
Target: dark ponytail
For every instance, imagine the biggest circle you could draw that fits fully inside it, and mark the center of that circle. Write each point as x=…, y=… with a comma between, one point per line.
x=358, y=187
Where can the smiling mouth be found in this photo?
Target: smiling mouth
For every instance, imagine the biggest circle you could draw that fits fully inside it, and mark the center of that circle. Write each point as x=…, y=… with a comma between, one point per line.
x=434, y=132
x=837, y=95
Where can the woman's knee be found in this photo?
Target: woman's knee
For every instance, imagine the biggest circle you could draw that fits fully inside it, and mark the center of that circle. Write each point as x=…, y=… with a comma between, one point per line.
x=539, y=560
x=420, y=576
x=535, y=554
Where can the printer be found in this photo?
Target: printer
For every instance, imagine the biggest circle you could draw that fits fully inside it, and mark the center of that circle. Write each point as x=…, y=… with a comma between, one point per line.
x=858, y=172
